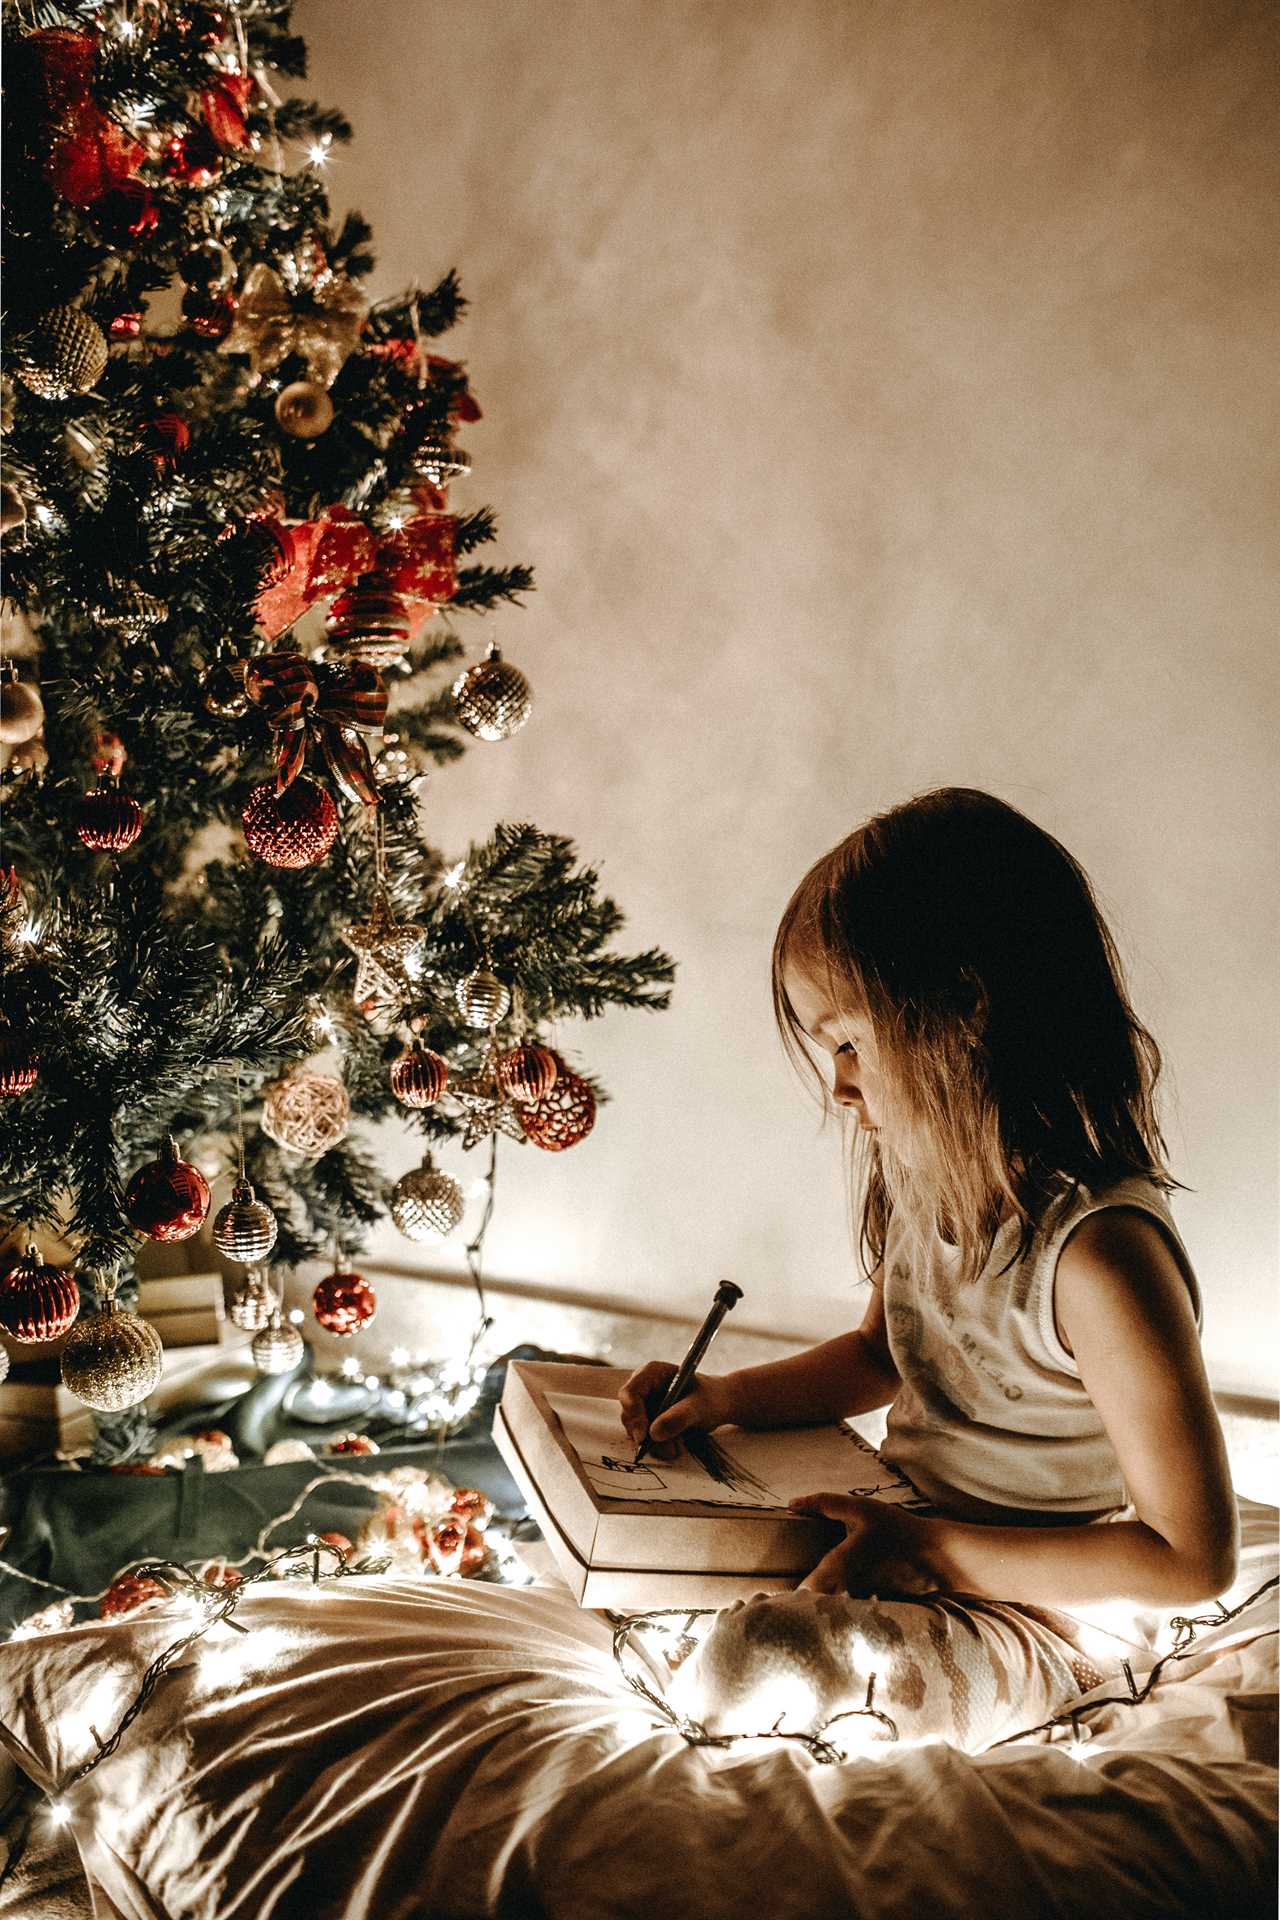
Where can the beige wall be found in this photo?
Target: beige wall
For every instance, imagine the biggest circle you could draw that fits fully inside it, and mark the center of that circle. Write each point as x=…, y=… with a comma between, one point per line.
x=886, y=396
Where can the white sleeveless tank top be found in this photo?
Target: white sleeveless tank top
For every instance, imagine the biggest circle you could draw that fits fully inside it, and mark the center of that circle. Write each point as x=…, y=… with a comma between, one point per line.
x=992, y=1409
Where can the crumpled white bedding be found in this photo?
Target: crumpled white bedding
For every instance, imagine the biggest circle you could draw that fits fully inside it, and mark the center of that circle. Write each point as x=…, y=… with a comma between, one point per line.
x=394, y=1751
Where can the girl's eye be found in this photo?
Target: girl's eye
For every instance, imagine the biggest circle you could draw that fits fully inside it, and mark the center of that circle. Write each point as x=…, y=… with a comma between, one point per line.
x=846, y=1046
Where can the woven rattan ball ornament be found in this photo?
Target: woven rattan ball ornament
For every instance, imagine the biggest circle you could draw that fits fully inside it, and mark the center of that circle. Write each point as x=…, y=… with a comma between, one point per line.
x=19, y=1065
x=344, y=1302
x=293, y=829
x=418, y=1077
x=168, y=1198
x=21, y=710
x=245, y=1229
x=65, y=354
x=304, y=410
x=482, y=998
x=564, y=1116
x=278, y=1348
x=252, y=1305
x=112, y=1360
x=492, y=698
x=37, y=1302
x=107, y=820
x=306, y=1112
x=527, y=1073
x=427, y=1204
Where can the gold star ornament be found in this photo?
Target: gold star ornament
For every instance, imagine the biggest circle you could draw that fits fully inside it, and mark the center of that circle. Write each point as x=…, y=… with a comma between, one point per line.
x=387, y=954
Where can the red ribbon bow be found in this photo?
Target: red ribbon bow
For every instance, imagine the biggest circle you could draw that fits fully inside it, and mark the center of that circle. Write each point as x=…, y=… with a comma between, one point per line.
x=336, y=704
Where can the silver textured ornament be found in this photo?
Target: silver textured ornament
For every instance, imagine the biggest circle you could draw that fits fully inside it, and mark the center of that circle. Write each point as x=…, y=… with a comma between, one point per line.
x=482, y=998
x=66, y=353
x=112, y=1359
x=278, y=1348
x=492, y=699
x=438, y=462
x=252, y=1305
x=133, y=612
x=245, y=1229
x=426, y=1204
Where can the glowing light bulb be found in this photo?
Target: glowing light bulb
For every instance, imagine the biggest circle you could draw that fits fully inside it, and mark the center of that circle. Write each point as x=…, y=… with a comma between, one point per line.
x=350, y=1367
x=318, y=151
x=453, y=878
x=296, y=1316
x=399, y=1356
x=59, y=1813
x=321, y=1392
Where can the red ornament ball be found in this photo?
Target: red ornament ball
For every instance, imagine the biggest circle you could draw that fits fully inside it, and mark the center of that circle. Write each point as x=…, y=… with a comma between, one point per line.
x=126, y=325
x=164, y=437
x=564, y=1116
x=357, y=1443
x=295, y=828
x=37, y=1302
x=193, y=158
x=527, y=1073
x=108, y=821
x=130, y=1594
x=210, y=315
x=18, y=1064
x=344, y=1302
x=168, y=1198
x=418, y=1077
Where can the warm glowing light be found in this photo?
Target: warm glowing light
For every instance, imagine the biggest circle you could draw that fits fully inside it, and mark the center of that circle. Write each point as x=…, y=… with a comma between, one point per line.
x=29, y=932
x=318, y=151
x=321, y=1392
x=399, y=1356
x=453, y=878
x=96, y=1716
x=188, y=1610
x=396, y=1399
x=296, y=1316
x=59, y=1813
x=224, y=1662
x=350, y=1367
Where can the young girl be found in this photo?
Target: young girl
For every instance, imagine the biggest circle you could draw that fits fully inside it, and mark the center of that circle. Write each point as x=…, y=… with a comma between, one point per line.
x=1033, y=1323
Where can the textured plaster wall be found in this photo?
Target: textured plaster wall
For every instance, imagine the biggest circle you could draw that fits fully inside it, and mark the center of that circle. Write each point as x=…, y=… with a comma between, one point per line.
x=886, y=396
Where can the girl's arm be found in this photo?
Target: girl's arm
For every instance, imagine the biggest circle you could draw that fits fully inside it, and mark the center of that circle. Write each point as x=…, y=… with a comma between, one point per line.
x=851, y=1374
x=1125, y=1313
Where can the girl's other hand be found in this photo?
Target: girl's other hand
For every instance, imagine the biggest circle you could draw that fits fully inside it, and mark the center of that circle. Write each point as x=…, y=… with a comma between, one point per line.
x=705, y=1406
x=884, y=1550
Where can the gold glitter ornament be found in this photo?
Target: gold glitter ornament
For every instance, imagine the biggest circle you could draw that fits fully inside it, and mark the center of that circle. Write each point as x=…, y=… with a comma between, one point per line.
x=482, y=998
x=427, y=1204
x=492, y=699
x=278, y=1348
x=245, y=1229
x=112, y=1359
x=65, y=354
x=21, y=709
x=252, y=1305
x=386, y=950
x=306, y=1112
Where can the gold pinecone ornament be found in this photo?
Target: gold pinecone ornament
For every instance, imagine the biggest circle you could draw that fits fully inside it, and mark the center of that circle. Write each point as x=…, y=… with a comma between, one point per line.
x=427, y=1204
x=492, y=699
x=65, y=354
x=306, y=1112
x=112, y=1359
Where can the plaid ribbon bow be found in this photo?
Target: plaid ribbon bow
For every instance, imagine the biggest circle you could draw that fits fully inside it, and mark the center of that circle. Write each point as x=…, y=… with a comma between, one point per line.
x=336, y=704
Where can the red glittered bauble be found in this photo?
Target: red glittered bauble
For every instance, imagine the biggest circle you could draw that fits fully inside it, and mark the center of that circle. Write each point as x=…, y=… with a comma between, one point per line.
x=37, y=1302
x=418, y=1077
x=527, y=1073
x=210, y=315
x=107, y=820
x=126, y=325
x=129, y=1594
x=352, y=1443
x=563, y=1116
x=475, y=1507
x=293, y=829
x=193, y=157
x=443, y=1543
x=18, y=1063
x=168, y=1198
x=344, y=1302
x=164, y=437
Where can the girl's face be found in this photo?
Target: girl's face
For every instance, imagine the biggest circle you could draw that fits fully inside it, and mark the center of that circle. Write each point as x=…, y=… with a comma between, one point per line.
x=843, y=1031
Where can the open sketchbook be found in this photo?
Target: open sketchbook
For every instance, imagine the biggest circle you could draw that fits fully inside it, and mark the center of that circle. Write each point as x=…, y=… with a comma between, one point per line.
x=731, y=1467
x=705, y=1528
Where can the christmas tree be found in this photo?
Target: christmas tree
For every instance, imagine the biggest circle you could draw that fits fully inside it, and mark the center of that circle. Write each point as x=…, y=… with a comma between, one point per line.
x=228, y=519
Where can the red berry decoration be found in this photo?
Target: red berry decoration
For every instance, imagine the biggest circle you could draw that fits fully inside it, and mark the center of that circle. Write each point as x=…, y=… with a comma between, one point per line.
x=130, y=1594
x=107, y=820
x=418, y=1077
x=293, y=829
x=357, y=1443
x=344, y=1302
x=37, y=1302
x=126, y=325
x=18, y=1064
x=475, y=1507
x=193, y=157
x=168, y=1198
x=527, y=1073
x=563, y=1116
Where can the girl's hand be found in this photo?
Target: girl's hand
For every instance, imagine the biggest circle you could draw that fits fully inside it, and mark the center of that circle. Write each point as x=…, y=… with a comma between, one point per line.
x=884, y=1550
x=705, y=1406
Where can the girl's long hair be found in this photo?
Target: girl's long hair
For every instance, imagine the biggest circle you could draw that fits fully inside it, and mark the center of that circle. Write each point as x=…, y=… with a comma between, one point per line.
x=1015, y=1068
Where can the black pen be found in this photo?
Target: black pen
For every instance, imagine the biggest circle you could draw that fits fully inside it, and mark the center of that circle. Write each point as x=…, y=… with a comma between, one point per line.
x=727, y=1295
